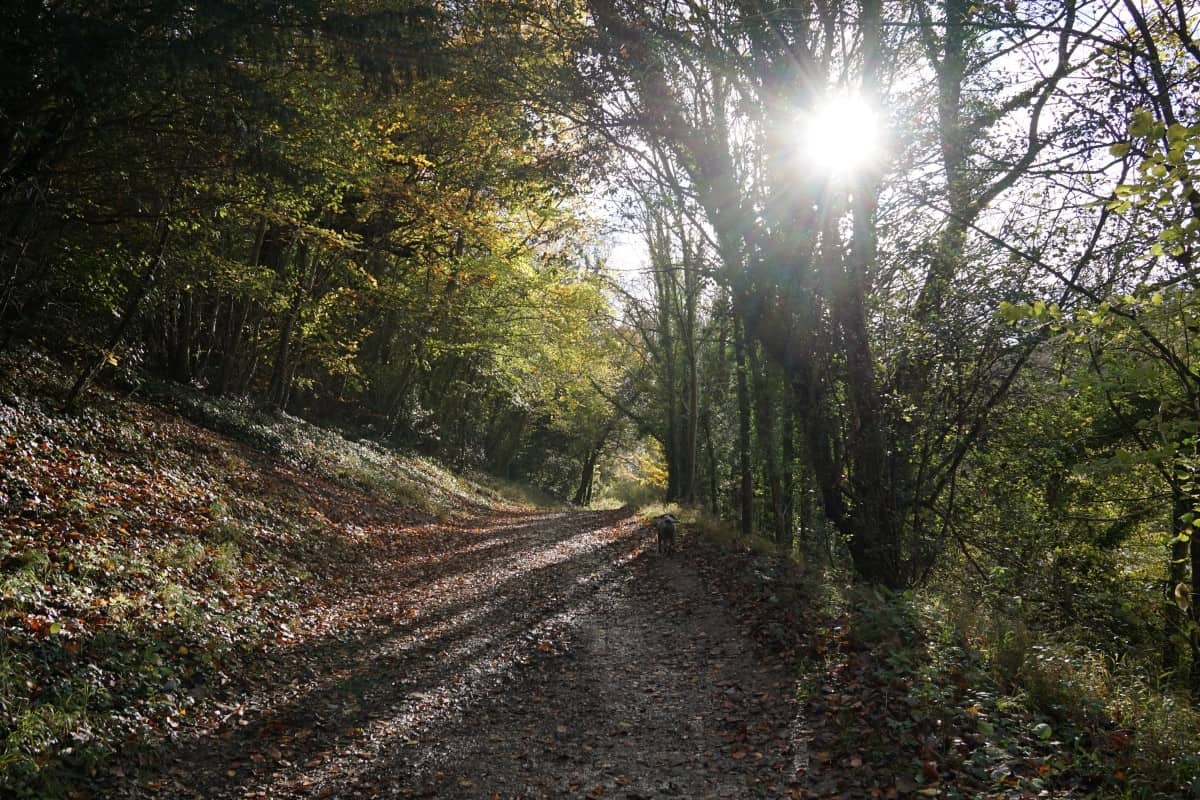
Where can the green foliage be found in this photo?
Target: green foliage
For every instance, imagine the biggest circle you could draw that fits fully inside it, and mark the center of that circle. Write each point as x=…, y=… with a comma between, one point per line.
x=502, y=491
x=1170, y=158
x=333, y=213
x=633, y=476
x=995, y=705
x=721, y=532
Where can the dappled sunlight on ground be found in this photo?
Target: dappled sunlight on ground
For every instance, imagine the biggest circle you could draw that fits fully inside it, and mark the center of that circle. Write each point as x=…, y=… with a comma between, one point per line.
x=450, y=627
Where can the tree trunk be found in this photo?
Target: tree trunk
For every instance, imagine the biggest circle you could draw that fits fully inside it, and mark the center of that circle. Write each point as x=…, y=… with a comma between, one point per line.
x=1194, y=628
x=711, y=456
x=1175, y=619
x=180, y=341
x=670, y=399
x=873, y=525
x=764, y=422
x=787, y=534
x=746, y=492
x=583, y=494
x=692, y=427
x=805, y=527
x=398, y=406
x=132, y=306
x=687, y=331
x=281, y=372
x=246, y=378
x=236, y=318
x=19, y=247
x=231, y=340
x=721, y=379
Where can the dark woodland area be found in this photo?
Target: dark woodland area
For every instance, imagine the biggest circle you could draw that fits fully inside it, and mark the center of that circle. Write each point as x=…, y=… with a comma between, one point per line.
x=351, y=355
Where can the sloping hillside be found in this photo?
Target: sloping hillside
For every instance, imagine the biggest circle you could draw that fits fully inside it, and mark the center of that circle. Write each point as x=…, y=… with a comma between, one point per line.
x=149, y=550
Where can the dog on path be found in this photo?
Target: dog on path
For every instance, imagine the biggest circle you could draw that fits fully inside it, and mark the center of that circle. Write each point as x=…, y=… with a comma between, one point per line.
x=665, y=525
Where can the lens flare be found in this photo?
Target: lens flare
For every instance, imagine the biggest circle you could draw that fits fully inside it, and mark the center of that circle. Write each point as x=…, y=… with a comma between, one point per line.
x=841, y=135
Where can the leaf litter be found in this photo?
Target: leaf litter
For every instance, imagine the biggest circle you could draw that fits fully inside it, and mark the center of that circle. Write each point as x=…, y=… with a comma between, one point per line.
x=198, y=615
x=563, y=661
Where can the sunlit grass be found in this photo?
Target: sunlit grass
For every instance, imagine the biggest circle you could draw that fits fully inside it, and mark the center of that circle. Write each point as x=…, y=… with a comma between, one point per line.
x=721, y=532
x=521, y=494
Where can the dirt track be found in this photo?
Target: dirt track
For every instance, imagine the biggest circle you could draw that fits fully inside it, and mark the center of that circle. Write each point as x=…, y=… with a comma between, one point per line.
x=529, y=655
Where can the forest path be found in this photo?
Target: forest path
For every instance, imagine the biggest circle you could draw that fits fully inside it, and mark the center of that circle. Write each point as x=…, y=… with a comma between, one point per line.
x=532, y=654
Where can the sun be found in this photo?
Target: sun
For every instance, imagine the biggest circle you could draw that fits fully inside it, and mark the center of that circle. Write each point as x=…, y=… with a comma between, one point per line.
x=841, y=135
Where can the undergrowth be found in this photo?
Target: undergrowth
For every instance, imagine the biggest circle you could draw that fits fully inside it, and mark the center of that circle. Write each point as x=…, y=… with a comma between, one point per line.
x=406, y=479
x=942, y=695
x=700, y=524
x=502, y=490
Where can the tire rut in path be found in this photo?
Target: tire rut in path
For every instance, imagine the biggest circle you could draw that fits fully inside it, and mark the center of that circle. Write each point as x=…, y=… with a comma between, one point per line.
x=565, y=660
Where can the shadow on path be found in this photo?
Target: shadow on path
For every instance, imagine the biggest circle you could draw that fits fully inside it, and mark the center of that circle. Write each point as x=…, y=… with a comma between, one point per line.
x=528, y=655
x=456, y=625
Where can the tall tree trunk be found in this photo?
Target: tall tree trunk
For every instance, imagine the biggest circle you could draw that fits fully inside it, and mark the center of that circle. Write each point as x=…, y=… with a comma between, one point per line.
x=873, y=525
x=746, y=484
x=1194, y=628
x=721, y=378
x=692, y=423
x=671, y=404
x=1175, y=619
x=764, y=423
x=584, y=493
x=181, y=336
x=133, y=304
x=236, y=318
x=710, y=453
x=281, y=372
x=690, y=263
x=875, y=541
x=787, y=534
